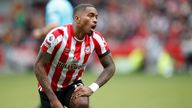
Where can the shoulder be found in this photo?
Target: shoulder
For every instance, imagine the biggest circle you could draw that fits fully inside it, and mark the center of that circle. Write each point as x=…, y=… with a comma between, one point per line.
x=54, y=37
x=97, y=34
x=54, y=34
x=57, y=31
x=98, y=39
x=62, y=31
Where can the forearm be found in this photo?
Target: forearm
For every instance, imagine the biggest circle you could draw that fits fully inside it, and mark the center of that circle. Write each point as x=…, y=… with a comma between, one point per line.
x=108, y=72
x=105, y=76
x=43, y=80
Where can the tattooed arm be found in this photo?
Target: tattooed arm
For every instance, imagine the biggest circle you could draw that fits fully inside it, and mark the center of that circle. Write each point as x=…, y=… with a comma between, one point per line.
x=42, y=59
x=108, y=72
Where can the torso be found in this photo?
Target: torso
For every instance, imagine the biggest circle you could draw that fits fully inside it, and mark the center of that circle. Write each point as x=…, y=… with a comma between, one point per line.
x=70, y=56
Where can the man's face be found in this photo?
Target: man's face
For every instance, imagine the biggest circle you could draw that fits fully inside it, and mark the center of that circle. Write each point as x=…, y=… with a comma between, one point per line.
x=88, y=19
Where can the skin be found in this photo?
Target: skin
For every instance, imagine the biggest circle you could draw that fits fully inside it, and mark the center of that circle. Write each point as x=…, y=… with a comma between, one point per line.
x=84, y=22
x=82, y=93
x=42, y=59
x=41, y=32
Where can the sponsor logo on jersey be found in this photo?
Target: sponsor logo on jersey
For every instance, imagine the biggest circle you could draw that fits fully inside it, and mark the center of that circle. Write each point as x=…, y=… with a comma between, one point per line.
x=74, y=60
x=71, y=66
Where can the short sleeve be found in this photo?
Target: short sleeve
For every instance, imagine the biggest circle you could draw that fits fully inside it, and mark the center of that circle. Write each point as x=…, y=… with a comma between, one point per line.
x=101, y=46
x=52, y=39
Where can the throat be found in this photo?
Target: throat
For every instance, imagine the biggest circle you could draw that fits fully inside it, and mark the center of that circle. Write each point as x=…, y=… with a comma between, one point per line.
x=79, y=35
x=80, y=39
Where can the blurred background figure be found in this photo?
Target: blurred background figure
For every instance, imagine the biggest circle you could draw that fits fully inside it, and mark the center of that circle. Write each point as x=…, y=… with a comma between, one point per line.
x=57, y=13
x=152, y=36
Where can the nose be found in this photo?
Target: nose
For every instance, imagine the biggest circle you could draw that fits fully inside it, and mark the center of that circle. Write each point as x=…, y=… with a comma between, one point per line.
x=95, y=20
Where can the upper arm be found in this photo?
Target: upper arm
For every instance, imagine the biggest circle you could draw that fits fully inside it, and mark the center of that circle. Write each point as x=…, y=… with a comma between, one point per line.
x=107, y=61
x=102, y=50
x=101, y=46
x=43, y=58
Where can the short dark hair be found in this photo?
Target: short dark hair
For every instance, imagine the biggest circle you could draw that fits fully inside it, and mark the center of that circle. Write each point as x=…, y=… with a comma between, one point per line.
x=81, y=7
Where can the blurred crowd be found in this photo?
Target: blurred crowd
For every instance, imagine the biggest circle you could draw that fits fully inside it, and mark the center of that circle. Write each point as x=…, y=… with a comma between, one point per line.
x=160, y=29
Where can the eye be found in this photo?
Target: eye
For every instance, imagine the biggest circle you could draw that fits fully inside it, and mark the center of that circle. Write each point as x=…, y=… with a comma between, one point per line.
x=90, y=15
x=96, y=16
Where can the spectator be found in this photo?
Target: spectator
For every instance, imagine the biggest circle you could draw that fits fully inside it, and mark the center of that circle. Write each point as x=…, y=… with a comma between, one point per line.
x=58, y=13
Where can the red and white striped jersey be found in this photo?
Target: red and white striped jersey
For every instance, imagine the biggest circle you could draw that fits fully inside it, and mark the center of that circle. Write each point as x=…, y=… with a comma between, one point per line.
x=69, y=55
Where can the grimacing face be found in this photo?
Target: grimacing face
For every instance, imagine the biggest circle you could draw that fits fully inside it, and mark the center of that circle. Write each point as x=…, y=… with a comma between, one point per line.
x=88, y=19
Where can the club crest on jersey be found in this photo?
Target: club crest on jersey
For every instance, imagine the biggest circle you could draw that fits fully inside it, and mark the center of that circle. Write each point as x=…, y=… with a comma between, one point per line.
x=87, y=49
x=105, y=43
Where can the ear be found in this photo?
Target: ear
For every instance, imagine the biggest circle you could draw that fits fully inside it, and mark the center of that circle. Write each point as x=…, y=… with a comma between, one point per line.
x=77, y=19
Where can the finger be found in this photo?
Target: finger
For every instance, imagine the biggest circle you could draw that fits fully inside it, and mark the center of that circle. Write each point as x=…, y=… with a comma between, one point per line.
x=74, y=95
x=80, y=94
x=77, y=88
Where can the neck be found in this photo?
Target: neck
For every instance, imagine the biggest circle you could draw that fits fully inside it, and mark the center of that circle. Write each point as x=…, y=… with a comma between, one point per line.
x=78, y=32
x=79, y=35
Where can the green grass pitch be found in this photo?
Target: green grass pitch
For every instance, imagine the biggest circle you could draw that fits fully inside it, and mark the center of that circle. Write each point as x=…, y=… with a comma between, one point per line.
x=123, y=91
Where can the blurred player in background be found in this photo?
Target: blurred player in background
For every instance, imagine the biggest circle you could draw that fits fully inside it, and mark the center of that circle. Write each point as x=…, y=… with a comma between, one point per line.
x=63, y=57
x=57, y=13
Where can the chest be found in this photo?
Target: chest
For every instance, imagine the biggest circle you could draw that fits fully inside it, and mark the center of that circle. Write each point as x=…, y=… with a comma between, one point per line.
x=76, y=52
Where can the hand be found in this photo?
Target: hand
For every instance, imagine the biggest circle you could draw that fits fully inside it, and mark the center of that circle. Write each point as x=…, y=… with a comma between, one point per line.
x=82, y=91
x=37, y=33
x=56, y=104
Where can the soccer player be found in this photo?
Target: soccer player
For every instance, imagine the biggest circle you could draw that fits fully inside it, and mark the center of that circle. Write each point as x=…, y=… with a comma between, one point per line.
x=57, y=13
x=62, y=60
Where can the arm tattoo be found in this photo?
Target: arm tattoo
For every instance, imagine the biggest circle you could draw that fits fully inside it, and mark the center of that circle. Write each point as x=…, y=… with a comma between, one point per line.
x=42, y=59
x=109, y=70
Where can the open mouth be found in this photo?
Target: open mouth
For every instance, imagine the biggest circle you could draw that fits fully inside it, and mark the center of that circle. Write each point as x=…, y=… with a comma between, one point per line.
x=93, y=27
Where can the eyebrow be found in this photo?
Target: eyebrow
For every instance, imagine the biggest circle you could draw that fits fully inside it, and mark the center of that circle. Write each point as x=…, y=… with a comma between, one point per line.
x=93, y=13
